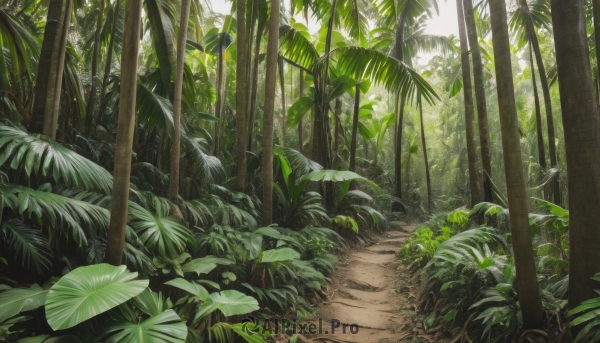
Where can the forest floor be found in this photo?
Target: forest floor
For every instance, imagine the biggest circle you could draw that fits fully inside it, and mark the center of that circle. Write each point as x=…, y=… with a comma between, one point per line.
x=371, y=289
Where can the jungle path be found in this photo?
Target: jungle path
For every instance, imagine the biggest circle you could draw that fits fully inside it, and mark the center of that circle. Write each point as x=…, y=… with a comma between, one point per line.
x=364, y=290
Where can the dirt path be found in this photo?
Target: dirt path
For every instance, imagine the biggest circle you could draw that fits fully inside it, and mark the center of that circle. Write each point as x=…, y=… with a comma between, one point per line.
x=363, y=291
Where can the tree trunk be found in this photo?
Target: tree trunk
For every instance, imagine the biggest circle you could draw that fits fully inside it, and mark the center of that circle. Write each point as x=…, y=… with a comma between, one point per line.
x=336, y=133
x=547, y=102
x=582, y=144
x=529, y=296
x=354, y=127
x=407, y=171
x=282, y=88
x=484, y=132
x=538, y=115
x=320, y=150
x=474, y=179
x=254, y=94
x=108, y=65
x=120, y=194
x=424, y=144
x=596, y=4
x=269, y=109
x=219, y=104
x=300, y=139
x=50, y=69
x=177, y=95
x=89, y=111
x=241, y=94
x=398, y=207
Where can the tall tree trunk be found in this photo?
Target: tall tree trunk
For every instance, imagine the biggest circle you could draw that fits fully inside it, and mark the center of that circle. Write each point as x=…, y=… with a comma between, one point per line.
x=219, y=105
x=108, y=64
x=241, y=94
x=269, y=109
x=282, y=87
x=46, y=102
x=300, y=139
x=337, y=132
x=529, y=295
x=484, y=132
x=354, y=127
x=400, y=101
x=547, y=99
x=254, y=93
x=120, y=194
x=320, y=136
x=177, y=95
x=538, y=114
x=407, y=171
x=474, y=179
x=424, y=144
x=596, y=4
x=582, y=144
x=89, y=111
x=398, y=207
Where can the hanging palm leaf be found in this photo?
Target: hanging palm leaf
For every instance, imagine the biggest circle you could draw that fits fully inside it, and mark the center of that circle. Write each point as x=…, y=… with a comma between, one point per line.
x=37, y=155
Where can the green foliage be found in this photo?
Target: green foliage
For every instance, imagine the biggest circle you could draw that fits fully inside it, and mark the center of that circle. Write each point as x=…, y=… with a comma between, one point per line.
x=422, y=245
x=37, y=156
x=88, y=291
x=588, y=314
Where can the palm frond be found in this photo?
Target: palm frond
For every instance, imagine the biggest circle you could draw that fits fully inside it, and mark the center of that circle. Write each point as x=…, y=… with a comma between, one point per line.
x=38, y=155
x=384, y=70
x=29, y=243
x=296, y=46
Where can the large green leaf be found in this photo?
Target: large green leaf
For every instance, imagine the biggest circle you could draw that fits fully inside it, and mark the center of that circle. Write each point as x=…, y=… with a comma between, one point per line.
x=278, y=255
x=17, y=300
x=232, y=302
x=165, y=235
x=191, y=287
x=165, y=327
x=335, y=176
x=204, y=265
x=89, y=291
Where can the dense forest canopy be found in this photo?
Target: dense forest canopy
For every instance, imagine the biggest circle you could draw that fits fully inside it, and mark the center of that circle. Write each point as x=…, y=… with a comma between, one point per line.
x=167, y=168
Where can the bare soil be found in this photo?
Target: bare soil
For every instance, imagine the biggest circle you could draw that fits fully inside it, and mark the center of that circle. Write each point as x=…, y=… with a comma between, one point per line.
x=369, y=289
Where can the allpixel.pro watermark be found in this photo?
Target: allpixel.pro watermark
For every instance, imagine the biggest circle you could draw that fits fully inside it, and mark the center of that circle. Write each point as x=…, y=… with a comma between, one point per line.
x=277, y=326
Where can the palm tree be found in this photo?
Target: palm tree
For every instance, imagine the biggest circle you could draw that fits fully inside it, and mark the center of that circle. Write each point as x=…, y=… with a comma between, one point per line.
x=281, y=72
x=177, y=95
x=354, y=126
x=524, y=23
x=109, y=58
x=260, y=28
x=529, y=295
x=121, y=176
x=538, y=115
x=410, y=38
x=484, y=132
x=474, y=180
x=582, y=143
x=50, y=69
x=424, y=144
x=596, y=10
x=95, y=57
x=241, y=93
x=269, y=109
x=300, y=138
